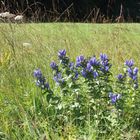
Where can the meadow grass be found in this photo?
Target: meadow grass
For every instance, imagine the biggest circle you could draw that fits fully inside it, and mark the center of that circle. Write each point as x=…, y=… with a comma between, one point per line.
x=17, y=62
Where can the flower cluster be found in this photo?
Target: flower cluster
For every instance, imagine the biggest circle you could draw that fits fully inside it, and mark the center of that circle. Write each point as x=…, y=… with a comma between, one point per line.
x=58, y=78
x=92, y=65
x=105, y=63
x=86, y=88
x=54, y=66
x=62, y=54
x=132, y=72
x=120, y=77
x=80, y=61
x=92, y=69
x=40, y=80
x=114, y=97
x=63, y=58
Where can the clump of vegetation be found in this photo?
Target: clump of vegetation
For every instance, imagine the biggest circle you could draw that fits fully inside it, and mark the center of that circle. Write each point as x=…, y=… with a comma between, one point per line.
x=86, y=93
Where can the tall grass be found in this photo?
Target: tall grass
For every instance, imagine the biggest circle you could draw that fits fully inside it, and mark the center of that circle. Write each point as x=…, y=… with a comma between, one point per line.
x=19, y=118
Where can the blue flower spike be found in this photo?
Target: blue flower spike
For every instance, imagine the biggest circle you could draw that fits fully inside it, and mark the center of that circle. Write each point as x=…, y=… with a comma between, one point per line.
x=53, y=65
x=129, y=63
x=37, y=73
x=120, y=77
x=114, y=97
x=61, y=54
x=79, y=60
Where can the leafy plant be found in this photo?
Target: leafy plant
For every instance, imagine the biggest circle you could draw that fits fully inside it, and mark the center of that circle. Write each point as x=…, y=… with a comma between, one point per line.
x=86, y=91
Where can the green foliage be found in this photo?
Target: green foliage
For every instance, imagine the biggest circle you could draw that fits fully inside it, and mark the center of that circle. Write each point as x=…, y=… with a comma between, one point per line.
x=84, y=93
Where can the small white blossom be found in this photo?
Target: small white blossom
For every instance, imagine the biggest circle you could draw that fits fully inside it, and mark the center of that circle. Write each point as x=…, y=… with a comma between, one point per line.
x=26, y=44
x=7, y=15
x=19, y=18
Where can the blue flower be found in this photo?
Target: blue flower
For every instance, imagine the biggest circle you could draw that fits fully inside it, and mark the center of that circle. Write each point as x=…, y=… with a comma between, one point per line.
x=114, y=97
x=61, y=53
x=71, y=65
x=103, y=57
x=79, y=60
x=132, y=73
x=58, y=78
x=53, y=65
x=76, y=75
x=95, y=74
x=105, y=63
x=37, y=73
x=40, y=80
x=135, y=71
x=84, y=73
x=105, y=66
x=46, y=86
x=120, y=77
x=129, y=63
x=89, y=67
x=94, y=62
x=134, y=77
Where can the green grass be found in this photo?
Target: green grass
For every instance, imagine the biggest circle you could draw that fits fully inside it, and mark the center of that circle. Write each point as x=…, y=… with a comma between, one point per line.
x=17, y=62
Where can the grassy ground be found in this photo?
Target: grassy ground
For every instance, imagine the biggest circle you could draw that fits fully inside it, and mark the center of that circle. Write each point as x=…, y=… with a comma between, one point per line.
x=17, y=62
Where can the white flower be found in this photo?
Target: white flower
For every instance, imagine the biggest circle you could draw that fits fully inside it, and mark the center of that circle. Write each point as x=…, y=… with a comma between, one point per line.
x=19, y=17
x=7, y=15
x=26, y=44
x=3, y=15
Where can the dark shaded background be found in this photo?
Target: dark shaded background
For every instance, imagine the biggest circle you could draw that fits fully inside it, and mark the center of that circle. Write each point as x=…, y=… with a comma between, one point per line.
x=75, y=10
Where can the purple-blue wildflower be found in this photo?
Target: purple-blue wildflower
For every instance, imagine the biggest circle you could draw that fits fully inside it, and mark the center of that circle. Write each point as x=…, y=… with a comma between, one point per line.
x=37, y=73
x=53, y=65
x=120, y=77
x=61, y=53
x=129, y=63
x=58, y=78
x=84, y=73
x=135, y=71
x=40, y=80
x=46, y=86
x=103, y=57
x=132, y=73
x=79, y=60
x=71, y=65
x=95, y=74
x=114, y=97
x=89, y=67
x=94, y=62
x=105, y=66
x=76, y=75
